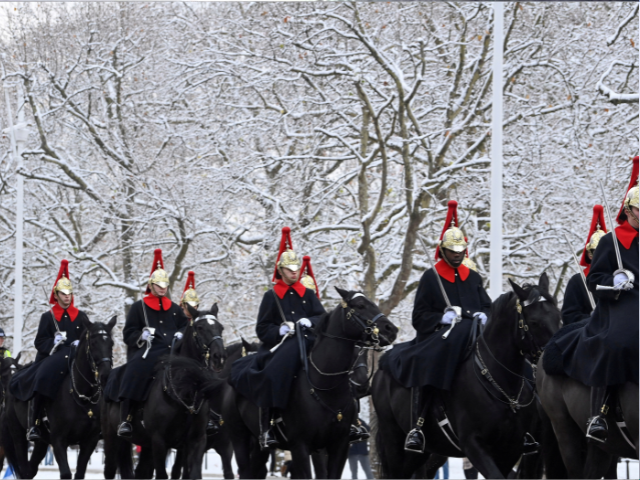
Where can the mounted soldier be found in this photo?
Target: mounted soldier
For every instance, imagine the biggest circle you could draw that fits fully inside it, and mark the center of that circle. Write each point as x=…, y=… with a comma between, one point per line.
x=59, y=330
x=604, y=353
x=266, y=377
x=151, y=325
x=577, y=304
x=190, y=297
x=427, y=364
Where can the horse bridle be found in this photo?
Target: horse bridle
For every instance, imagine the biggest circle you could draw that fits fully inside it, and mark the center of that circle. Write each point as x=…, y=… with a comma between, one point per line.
x=522, y=324
x=206, y=347
x=95, y=398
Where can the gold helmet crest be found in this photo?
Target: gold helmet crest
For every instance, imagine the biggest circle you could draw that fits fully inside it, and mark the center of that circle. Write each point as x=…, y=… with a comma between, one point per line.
x=289, y=259
x=595, y=240
x=189, y=295
x=158, y=275
x=64, y=286
x=631, y=200
x=453, y=239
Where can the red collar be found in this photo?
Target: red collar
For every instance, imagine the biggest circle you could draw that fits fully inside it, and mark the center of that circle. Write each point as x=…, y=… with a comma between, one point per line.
x=153, y=302
x=447, y=272
x=281, y=288
x=626, y=233
x=58, y=311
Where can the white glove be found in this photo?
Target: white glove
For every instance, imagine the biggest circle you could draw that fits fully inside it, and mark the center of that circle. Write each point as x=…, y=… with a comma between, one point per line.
x=284, y=329
x=75, y=343
x=481, y=316
x=178, y=335
x=58, y=338
x=621, y=282
x=448, y=317
x=145, y=334
x=305, y=322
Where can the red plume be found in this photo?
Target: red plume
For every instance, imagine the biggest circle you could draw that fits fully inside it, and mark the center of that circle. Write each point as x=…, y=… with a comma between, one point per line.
x=285, y=243
x=306, y=266
x=64, y=271
x=157, y=262
x=452, y=215
x=596, y=220
x=191, y=281
x=622, y=217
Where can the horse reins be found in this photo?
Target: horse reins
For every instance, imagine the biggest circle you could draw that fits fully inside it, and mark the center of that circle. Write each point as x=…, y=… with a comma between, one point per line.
x=95, y=398
x=522, y=324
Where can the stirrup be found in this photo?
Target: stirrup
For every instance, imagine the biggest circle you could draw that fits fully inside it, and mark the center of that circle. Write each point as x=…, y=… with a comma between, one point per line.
x=125, y=430
x=267, y=440
x=33, y=434
x=603, y=428
x=411, y=445
x=530, y=445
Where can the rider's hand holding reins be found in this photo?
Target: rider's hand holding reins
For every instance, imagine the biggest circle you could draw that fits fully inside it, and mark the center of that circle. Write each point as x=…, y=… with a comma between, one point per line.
x=58, y=338
x=621, y=281
x=304, y=322
x=146, y=333
x=75, y=343
x=178, y=335
x=481, y=316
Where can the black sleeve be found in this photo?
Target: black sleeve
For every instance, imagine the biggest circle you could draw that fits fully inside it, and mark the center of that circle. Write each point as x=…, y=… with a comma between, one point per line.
x=575, y=306
x=268, y=328
x=426, y=316
x=316, y=310
x=46, y=334
x=603, y=264
x=485, y=300
x=133, y=325
x=183, y=320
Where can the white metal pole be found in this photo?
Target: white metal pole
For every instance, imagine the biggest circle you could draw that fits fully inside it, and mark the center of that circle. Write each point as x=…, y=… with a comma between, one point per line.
x=18, y=139
x=495, y=261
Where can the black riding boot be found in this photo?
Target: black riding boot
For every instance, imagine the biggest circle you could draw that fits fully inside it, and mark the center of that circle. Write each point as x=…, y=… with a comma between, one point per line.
x=214, y=423
x=357, y=432
x=125, y=429
x=597, y=425
x=415, y=438
x=267, y=438
x=34, y=413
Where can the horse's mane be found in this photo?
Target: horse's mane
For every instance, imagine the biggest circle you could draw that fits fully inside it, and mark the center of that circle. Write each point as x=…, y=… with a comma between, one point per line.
x=188, y=373
x=233, y=348
x=507, y=300
x=321, y=326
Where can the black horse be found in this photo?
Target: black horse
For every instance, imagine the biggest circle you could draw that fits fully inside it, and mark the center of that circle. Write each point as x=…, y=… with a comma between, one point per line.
x=176, y=410
x=221, y=441
x=489, y=407
x=74, y=414
x=566, y=401
x=322, y=406
x=7, y=366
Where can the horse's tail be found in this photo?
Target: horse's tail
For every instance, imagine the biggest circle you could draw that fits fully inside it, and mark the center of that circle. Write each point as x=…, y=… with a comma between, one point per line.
x=125, y=459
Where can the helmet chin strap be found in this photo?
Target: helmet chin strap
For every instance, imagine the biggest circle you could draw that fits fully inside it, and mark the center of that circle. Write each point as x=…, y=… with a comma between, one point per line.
x=444, y=257
x=629, y=211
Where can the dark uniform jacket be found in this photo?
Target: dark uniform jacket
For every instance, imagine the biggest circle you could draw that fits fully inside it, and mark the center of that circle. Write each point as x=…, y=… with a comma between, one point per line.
x=428, y=359
x=48, y=371
x=266, y=378
x=133, y=379
x=576, y=305
x=605, y=351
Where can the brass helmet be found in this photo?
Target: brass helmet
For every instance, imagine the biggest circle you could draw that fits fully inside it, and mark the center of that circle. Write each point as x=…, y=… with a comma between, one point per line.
x=62, y=283
x=189, y=294
x=631, y=197
x=453, y=239
x=470, y=264
x=308, y=282
x=158, y=274
x=289, y=259
x=595, y=240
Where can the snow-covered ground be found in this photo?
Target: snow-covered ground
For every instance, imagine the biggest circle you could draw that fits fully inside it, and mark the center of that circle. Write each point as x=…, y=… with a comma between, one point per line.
x=213, y=468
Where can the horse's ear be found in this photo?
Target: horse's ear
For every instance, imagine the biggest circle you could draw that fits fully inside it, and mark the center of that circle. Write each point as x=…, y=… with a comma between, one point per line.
x=112, y=323
x=343, y=293
x=245, y=344
x=519, y=291
x=192, y=311
x=86, y=323
x=544, y=282
x=214, y=309
x=17, y=359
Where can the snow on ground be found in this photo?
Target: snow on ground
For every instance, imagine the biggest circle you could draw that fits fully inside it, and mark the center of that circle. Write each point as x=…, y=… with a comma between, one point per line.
x=213, y=468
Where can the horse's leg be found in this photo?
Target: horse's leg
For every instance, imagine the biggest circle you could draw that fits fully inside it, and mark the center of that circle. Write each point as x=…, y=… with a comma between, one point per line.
x=259, y=459
x=628, y=397
x=481, y=459
x=86, y=450
x=337, y=453
x=37, y=455
x=60, y=452
x=178, y=464
x=144, y=469
x=433, y=464
x=159, y=456
x=226, y=453
x=597, y=462
x=552, y=458
x=300, y=457
x=319, y=459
